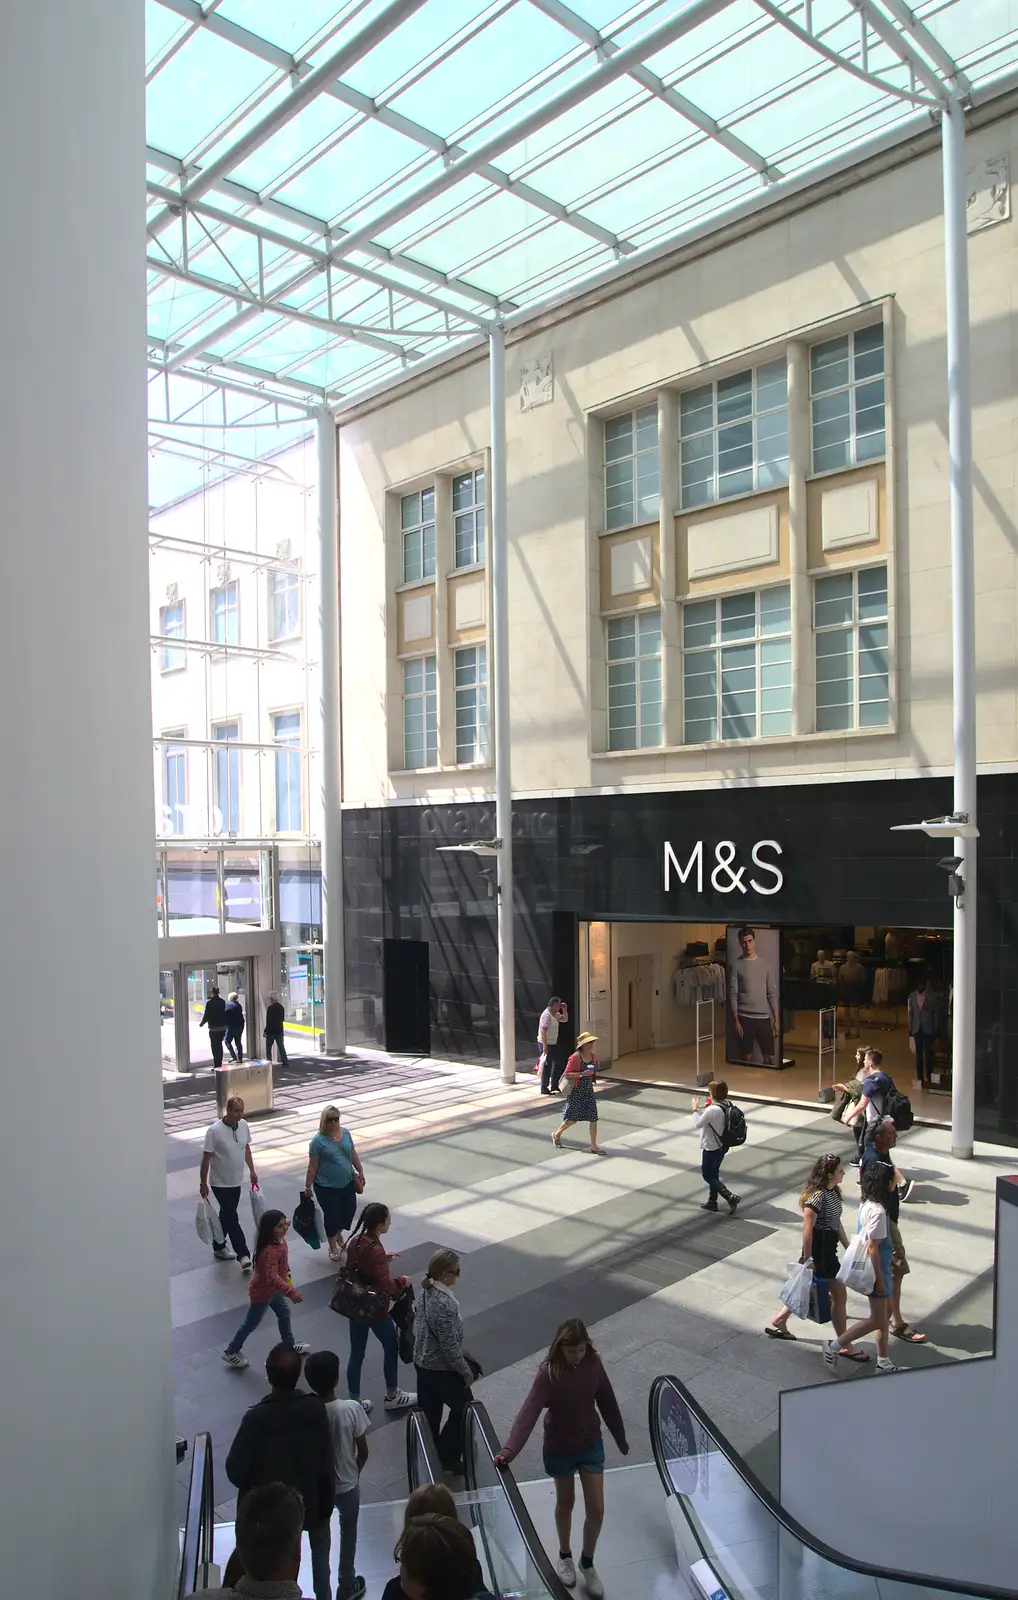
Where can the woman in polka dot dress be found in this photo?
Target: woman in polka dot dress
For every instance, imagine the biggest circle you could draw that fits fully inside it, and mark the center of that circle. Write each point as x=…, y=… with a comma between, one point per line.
x=581, y=1075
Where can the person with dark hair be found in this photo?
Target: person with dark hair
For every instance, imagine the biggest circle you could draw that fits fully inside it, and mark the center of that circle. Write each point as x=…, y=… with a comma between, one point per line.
x=885, y=1137
x=275, y=1018
x=712, y=1123
x=753, y=1000
x=368, y=1260
x=235, y=1027
x=225, y=1153
x=348, y=1425
x=437, y=1560
x=822, y=1232
x=285, y=1438
x=432, y=1499
x=266, y=1561
x=214, y=1018
x=571, y=1387
x=554, y=1013
x=269, y=1285
x=875, y=1183
x=444, y=1372
x=876, y=1086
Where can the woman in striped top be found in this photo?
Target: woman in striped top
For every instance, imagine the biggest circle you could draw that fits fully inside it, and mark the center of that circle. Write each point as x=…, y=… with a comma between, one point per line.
x=822, y=1232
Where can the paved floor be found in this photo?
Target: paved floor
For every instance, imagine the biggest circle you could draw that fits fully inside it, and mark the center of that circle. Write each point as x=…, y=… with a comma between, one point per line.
x=462, y=1160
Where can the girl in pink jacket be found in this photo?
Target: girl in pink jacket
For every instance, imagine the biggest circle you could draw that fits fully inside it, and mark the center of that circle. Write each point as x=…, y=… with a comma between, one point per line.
x=268, y=1285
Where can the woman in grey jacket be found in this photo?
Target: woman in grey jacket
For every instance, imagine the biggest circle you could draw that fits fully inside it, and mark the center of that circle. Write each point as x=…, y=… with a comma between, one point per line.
x=444, y=1374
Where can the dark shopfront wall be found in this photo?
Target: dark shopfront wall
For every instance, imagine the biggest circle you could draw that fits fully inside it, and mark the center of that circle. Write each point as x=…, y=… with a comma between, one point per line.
x=596, y=857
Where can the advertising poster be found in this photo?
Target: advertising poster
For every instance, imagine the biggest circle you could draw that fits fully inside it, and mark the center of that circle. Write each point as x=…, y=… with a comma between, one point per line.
x=678, y=1437
x=753, y=1009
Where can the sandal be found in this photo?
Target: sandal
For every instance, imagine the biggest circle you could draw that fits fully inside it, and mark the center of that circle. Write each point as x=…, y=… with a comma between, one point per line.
x=909, y=1335
x=855, y=1355
x=778, y=1333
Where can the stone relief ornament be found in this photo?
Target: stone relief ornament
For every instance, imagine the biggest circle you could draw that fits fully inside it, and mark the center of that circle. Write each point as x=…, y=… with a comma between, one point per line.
x=988, y=193
x=537, y=383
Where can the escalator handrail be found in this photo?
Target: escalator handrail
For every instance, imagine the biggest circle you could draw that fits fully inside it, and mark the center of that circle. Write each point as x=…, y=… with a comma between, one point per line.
x=524, y=1522
x=420, y=1442
x=777, y=1511
x=197, y=1543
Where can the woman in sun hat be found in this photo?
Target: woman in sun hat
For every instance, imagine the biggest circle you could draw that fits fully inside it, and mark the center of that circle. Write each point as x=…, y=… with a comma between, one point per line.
x=581, y=1075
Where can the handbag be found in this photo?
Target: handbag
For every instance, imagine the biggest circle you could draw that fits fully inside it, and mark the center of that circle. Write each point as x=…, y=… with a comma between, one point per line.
x=305, y=1222
x=356, y=1300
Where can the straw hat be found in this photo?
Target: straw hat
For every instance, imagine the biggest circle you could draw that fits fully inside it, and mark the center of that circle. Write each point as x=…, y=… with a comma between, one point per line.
x=586, y=1038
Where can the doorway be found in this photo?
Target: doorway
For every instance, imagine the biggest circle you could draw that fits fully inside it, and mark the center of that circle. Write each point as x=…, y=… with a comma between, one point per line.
x=190, y=988
x=406, y=992
x=636, y=995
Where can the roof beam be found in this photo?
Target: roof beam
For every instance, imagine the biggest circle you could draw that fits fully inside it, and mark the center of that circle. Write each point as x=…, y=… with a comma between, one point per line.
x=932, y=47
x=873, y=82
x=312, y=395
x=902, y=47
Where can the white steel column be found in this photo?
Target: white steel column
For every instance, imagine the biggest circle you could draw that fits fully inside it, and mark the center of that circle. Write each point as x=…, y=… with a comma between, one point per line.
x=963, y=619
x=333, y=953
x=86, y=1412
x=500, y=707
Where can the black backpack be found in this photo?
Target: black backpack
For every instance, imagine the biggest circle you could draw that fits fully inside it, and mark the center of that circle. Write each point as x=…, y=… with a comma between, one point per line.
x=898, y=1107
x=735, y=1126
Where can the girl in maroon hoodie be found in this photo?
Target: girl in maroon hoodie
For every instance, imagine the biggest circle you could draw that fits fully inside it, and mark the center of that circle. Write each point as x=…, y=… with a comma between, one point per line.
x=268, y=1285
x=571, y=1387
x=368, y=1260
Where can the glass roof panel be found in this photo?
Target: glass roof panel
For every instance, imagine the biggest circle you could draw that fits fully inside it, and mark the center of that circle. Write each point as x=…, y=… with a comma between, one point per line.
x=197, y=89
x=290, y=26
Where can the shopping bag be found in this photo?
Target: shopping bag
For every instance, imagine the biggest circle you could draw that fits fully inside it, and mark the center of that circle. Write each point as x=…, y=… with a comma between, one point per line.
x=207, y=1224
x=257, y=1204
x=796, y=1291
x=305, y=1222
x=856, y=1271
x=539, y=1065
x=820, y=1301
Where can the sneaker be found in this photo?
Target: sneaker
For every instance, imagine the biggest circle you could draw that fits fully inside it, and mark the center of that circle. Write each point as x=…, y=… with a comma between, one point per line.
x=566, y=1569
x=355, y=1591
x=832, y=1351
x=223, y=1253
x=233, y=1358
x=885, y=1364
x=592, y=1583
x=244, y=1263
x=365, y=1405
x=909, y=1189
x=302, y=1349
x=402, y=1400
x=733, y=1204
x=709, y=1205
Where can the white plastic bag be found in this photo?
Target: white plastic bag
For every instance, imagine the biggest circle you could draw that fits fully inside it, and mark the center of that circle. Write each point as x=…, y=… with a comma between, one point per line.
x=856, y=1271
x=796, y=1292
x=257, y=1204
x=207, y=1224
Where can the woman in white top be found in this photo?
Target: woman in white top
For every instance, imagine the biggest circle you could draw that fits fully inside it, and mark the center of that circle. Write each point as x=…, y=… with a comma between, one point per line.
x=711, y=1122
x=875, y=1187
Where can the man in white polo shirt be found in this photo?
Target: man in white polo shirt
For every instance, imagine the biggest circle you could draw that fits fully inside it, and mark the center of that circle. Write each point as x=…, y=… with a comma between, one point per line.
x=227, y=1148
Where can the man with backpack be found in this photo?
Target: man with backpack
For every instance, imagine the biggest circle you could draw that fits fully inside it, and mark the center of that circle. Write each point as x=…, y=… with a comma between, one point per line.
x=879, y=1099
x=721, y=1125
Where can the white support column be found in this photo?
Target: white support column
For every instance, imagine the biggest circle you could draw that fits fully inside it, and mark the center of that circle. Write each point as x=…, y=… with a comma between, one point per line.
x=333, y=956
x=86, y=1439
x=959, y=419
x=803, y=668
x=500, y=707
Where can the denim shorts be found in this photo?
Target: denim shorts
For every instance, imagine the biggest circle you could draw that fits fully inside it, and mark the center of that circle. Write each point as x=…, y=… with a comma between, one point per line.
x=591, y=1459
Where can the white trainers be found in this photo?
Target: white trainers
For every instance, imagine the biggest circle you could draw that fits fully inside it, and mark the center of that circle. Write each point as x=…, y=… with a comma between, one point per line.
x=244, y=1263
x=885, y=1364
x=566, y=1569
x=402, y=1400
x=592, y=1583
x=832, y=1351
x=233, y=1358
x=302, y=1349
x=366, y=1406
x=223, y=1253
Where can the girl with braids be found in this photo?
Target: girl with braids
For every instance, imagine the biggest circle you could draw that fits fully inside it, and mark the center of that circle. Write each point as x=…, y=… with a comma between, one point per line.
x=822, y=1232
x=368, y=1260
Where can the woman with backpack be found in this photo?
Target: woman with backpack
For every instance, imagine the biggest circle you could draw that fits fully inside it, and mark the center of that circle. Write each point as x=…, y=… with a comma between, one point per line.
x=822, y=1232
x=715, y=1124
x=581, y=1076
x=367, y=1261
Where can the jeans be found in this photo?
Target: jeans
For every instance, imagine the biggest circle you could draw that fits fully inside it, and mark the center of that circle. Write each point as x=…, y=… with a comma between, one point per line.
x=434, y=1391
x=710, y=1168
x=551, y=1072
x=386, y=1333
x=320, y=1539
x=216, y=1037
x=255, y=1312
x=235, y=1045
x=923, y=1056
x=228, y=1200
x=277, y=1040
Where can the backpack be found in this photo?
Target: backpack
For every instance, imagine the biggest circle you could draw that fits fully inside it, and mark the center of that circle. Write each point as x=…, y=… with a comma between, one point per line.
x=898, y=1107
x=735, y=1126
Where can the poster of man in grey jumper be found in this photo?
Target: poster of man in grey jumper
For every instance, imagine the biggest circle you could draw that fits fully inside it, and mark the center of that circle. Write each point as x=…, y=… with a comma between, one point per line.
x=753, y=1013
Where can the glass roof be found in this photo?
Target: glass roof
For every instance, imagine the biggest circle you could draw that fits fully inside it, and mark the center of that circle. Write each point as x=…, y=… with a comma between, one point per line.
x=338, y=193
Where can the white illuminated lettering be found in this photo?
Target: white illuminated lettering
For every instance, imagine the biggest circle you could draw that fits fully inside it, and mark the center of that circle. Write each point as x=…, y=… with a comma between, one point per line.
x=767, y=866
x=672, y=861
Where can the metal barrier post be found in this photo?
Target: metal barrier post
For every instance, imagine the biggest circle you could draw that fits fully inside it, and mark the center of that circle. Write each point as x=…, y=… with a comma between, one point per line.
x=827, y=1044
x=703, y=1037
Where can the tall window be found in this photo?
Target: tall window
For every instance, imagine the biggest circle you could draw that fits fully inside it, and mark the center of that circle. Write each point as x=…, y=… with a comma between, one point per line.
x=846, y=385
x=284, y=605
x=634, y=680
x=468, y=517
x=223, y=606
x=420, y=713
x=733, y=435
x=417, y=520
x=737, y=666
x=171, y=626
x=631, y=472
x=227, y=776
x=286, y=734
x=852, y=650
x=175, y=781
x=471, y=675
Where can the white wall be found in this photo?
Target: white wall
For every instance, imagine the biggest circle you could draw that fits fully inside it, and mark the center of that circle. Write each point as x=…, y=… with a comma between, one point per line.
x=86, y=1425
x=671, y=1024
x=944, y=1506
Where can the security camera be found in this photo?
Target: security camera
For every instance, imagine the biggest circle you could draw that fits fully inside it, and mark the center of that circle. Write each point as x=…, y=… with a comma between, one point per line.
x=950, y=863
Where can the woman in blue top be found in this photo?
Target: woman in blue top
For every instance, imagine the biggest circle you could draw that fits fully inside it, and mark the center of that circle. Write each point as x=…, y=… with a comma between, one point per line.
x=336, y=1175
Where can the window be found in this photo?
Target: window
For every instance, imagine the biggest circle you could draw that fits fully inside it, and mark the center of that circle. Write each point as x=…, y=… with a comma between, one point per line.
x=227, y=776
x=289, y=808
x=631, y=476
x=468, y=518
x=223, y=603
x=846, y=385
x=851, y=637
x=634, y=680
x=284, y=605
x=737, y=666
x=420, y=713
x=175, y=782
x=171, y=626
x=471, y=675
x=417, y=520
x=733, y=435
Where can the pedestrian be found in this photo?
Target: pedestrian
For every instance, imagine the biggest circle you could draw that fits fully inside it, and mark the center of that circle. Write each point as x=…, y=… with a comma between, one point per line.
x=285, y=1438
x=214, y=1018
x=336, y=1175
x=267, y=1558
x=368, y=1261
x=348, y=1426
x=269, y=1285
x=225, y=1153
x=923, y=1028
x=712, y=1123
x=869, y=1108
x=438, y=1560
x=274, y=1019
x=875, y=1187
x=571, y=1387
x=235, y=1027
x=884, y=1140
x=554, y=1013
x=581, y=1075
x=822, y=1232
x=444, y=1372
x=431, y=1499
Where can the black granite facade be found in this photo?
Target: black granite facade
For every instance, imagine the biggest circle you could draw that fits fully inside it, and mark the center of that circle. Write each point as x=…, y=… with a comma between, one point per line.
x=603, y=856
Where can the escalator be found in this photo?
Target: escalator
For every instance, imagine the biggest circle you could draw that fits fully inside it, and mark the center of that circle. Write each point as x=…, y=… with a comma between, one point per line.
x=735, y=1541
x=515, y=1564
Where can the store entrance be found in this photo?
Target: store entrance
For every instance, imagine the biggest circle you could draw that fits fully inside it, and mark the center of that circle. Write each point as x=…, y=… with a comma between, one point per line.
x=183, y=991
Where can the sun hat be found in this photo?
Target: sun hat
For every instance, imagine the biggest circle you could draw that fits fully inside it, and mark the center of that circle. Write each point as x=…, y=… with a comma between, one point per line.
x=586, y=1038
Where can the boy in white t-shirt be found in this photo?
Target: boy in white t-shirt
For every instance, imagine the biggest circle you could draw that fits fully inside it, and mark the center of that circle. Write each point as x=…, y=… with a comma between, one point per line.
x=348, y=1424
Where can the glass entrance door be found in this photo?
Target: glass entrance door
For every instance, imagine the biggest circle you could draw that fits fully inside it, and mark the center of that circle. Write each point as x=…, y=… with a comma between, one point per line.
x=200, y=983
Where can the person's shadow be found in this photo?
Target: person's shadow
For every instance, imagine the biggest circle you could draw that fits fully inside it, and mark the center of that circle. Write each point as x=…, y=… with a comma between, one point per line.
x=929, y=1195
